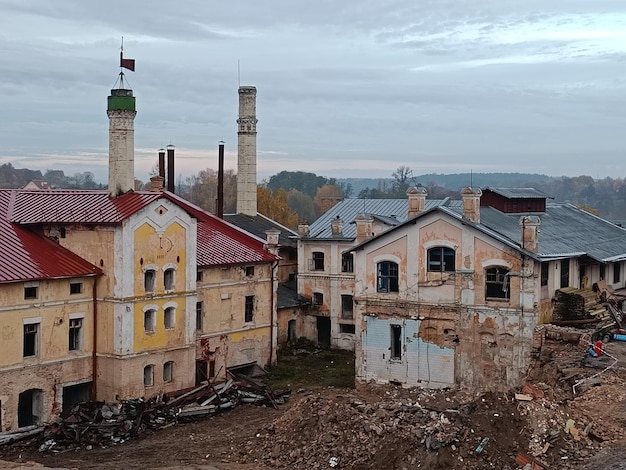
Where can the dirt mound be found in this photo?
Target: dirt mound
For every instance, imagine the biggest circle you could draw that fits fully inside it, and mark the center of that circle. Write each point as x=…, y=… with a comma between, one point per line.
x=403, y=429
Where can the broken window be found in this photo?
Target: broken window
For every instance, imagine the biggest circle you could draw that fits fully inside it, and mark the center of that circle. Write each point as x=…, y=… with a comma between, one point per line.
x=497, y=283
x=441, y=259
x=31, y=339
x=199, y=275
x=346, y=328
x=544, y=273
x=76, y=334
x=149, y=278
x=168, y=368
x=347, y=307
x=387, y=280
x=169, y=317
x=168, y=279
x=249, y=309
x=148, y=375
x=396, y=341
x=318, y=298
x=347, y=263
x=149, y=321
x=76, y=287
x=199, y=315
x=30, y=291
x=617, y=267
x=318, y=261
x=249, y=271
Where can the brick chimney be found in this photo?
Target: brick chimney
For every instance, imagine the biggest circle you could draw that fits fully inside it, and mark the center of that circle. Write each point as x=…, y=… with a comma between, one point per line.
x=530, y=232
x=336, y=227
x=303, y=230
x=272, y=240
x=417, y=200
x=363, y=227
x=157, y=184
x=471, y=204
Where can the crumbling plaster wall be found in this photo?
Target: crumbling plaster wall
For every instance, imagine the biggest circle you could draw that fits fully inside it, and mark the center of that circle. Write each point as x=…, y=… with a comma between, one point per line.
x=223, y=291
x=491, y=338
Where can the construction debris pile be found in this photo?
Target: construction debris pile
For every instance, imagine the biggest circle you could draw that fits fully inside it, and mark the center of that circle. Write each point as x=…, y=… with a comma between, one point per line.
x=411, y=429
x=100, y=424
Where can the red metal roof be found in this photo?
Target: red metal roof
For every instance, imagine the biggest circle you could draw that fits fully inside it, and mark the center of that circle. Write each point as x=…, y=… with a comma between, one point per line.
x=77, y=206
x=219, y=244
x=25, y=255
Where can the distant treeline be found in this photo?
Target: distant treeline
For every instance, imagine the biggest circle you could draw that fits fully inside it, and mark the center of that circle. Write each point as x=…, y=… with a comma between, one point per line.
x=299, y=196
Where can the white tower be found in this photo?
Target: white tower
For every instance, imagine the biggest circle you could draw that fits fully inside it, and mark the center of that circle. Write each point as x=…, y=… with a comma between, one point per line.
x=246, y=149
x=121, y=112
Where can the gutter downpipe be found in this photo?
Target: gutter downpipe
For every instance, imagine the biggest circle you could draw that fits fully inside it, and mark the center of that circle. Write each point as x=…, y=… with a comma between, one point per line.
x=94, y=356
x=273, y=327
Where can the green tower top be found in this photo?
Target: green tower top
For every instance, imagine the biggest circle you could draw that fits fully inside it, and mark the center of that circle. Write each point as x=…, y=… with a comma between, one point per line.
x=121, y=99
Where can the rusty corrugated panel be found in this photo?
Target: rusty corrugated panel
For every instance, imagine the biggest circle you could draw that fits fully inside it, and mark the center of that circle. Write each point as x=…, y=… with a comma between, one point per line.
x=76, y=206
x=25, y=255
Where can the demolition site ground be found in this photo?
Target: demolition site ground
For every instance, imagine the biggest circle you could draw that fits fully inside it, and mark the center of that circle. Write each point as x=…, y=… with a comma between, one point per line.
x=326, y=423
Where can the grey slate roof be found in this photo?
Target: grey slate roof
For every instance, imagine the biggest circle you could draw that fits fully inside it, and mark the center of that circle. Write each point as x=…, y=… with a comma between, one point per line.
x=526, y=193
x=389, y=211
x=259, y=224
x=287, y=297
x=565, y=231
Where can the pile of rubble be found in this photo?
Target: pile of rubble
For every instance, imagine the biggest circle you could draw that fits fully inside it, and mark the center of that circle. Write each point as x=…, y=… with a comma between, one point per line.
x=101, y=424
x=411, y=429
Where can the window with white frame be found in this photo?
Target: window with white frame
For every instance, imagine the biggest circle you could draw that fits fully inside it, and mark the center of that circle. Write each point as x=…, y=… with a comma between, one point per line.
x=149, y=321
x=149, y=280
x=169, y=318
x=75, y=334
x=168, y=279
x=31, y=339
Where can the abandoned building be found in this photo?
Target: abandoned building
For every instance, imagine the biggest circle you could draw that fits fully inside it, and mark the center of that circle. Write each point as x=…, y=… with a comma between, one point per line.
x=451, y=296
x=326, y=266
x=119, y=294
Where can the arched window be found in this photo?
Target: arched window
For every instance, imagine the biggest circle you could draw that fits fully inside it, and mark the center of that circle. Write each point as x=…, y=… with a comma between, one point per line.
x=169, y=317
x=497, y=283
x=387, y=277
x=149, y=277
x=441, y=259
x=148, y=375
x=168, y=279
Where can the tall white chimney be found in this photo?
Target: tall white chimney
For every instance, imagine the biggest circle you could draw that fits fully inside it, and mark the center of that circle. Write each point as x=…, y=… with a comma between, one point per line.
x=246, y=149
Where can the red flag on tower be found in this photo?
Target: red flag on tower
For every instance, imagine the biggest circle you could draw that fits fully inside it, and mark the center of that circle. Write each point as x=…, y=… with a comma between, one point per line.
x=127, y=63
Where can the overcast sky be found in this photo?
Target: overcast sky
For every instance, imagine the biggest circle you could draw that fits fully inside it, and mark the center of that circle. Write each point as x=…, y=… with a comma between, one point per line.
x=351, y=88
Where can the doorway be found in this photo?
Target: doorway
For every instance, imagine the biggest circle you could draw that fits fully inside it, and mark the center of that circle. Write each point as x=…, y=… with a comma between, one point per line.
x=291, y=331
x=29, y=407
x=323, y=332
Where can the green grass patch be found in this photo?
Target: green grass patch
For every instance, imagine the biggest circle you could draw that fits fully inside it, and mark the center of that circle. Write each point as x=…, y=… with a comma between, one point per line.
x=309, y=367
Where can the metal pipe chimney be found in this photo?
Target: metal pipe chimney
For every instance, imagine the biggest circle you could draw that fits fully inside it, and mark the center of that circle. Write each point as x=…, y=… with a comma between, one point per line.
x=220, y=181
x=170, y=168
x=162, y=163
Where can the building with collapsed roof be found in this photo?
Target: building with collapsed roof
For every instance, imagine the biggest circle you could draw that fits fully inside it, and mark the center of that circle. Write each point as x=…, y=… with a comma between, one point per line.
x=452, y=296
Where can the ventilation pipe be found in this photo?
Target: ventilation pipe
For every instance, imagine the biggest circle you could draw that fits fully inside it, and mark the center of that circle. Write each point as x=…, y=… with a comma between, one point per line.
x=170, y=168
x=220, y=181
